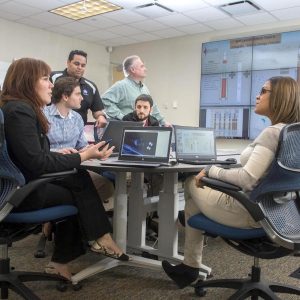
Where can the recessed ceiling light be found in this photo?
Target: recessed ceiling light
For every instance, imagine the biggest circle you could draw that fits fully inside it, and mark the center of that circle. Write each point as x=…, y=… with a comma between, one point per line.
x=239, y=8
x=84, y=9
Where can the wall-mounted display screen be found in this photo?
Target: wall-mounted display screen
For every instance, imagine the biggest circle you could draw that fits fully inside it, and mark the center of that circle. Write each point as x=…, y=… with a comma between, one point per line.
x=232, y=74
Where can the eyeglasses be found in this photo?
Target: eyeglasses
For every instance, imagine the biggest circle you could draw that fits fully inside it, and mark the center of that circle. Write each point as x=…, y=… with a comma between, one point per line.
x=264, y=91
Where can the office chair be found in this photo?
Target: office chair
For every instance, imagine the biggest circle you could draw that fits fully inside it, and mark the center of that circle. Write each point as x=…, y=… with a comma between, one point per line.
x=275, y=204
x=17, y=225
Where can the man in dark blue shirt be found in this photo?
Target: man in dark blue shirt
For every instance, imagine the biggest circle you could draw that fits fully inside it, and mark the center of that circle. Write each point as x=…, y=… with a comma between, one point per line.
x=76, y=65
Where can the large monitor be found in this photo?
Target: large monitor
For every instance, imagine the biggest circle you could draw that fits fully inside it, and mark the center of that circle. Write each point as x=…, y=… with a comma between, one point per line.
x=232, y=74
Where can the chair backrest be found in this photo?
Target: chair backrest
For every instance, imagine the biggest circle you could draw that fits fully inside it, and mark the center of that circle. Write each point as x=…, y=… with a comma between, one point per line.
x=278, y=194
x=10, y=176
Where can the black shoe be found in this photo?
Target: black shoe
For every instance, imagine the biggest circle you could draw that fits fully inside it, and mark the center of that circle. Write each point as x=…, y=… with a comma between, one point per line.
x=181, y=274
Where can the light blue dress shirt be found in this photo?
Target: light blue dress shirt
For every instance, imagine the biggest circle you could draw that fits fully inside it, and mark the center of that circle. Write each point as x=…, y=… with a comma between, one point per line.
x=65, y=132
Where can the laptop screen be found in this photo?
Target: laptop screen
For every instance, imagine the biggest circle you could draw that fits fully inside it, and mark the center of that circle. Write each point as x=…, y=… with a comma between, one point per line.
x=146, y=144
x=114, y=131
x=195, y=143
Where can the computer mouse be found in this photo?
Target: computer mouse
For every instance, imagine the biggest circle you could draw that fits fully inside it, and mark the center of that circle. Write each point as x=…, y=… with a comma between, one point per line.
x=231, y=160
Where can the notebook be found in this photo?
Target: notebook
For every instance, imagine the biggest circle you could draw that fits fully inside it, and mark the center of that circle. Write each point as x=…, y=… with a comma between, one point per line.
x=114, y=130
x=196, y=146
x=143, y=147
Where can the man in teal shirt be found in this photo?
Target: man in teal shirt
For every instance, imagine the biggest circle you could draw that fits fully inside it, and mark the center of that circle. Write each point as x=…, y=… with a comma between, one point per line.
x=119, y=99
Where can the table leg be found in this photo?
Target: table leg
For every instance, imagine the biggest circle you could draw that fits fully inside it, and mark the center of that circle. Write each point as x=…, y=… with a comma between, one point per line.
x=136, y=212
x=167, y=212
x=120, y=210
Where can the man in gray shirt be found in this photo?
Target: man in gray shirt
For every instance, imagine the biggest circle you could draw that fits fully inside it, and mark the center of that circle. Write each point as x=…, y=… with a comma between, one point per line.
x=119, y=99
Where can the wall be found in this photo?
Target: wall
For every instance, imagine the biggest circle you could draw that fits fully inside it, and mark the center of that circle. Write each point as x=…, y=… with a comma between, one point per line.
x=174, y=68
x=19, y=40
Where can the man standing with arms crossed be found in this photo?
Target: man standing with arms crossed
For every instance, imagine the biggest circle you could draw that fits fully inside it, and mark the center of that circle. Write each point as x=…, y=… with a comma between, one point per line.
x=76, y=65
x=119, y=99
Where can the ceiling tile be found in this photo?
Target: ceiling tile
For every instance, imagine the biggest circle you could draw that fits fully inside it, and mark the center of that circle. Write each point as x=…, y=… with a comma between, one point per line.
x=77, y=27
x=99, y=21
x=144, y=37
x=176, y=20
x=274, y=5
x=44, y=5
x=51, y=19
x=224, y=24
x=168, y=33
x=125, y=16
x=124, y=30
x=149, y=25
x=207, y=14
x=120, y=41
x=19, y=9
x=33, y=23
x=287, y=14
x=8, y=16
x=258, y=18
x=102, y=35
x=195, y=28
x=62, y=30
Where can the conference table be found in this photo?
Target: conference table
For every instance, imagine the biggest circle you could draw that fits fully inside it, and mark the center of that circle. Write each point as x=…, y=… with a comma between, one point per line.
x=129, y=220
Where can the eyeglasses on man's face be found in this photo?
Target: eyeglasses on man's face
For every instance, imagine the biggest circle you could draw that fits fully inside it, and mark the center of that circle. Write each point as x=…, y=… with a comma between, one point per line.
x=264, y=91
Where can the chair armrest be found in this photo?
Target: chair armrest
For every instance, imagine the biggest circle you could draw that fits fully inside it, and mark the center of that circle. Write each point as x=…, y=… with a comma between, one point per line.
x=215, y=183
x=59, y=174
x=237, y=193
x=22, y=192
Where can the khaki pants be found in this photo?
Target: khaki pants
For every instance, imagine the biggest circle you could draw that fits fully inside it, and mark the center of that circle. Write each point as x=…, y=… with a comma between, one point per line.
x=104, y=186
x=216, y=206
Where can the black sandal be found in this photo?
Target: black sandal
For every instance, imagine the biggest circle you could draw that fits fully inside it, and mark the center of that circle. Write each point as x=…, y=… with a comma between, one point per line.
x=98, y=248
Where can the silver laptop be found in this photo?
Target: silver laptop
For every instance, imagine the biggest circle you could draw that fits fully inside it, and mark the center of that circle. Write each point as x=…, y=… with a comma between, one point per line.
x=114, y=131
x=196, y=146
x=143, y=147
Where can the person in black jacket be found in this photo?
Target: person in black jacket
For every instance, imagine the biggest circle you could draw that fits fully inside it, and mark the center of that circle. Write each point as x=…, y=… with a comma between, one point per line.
x=26, y=90
x=142, y=112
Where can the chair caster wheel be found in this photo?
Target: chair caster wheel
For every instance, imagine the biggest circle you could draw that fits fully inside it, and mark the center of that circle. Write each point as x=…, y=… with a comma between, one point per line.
x=199, y=291
x=62, y=286
x=40, y=254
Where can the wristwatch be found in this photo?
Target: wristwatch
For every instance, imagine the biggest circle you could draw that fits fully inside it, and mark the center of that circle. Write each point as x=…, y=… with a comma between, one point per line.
x=206, y=169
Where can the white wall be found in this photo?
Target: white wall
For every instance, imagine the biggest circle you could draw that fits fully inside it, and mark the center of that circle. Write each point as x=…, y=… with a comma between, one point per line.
x=174, y=68
x=19, y=40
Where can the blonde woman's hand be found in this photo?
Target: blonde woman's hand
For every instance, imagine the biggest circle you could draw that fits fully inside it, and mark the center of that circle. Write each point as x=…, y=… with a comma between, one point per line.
x=198, y=178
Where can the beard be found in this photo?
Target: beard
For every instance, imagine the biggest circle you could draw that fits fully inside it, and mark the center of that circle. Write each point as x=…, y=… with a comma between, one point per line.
x=142, y=117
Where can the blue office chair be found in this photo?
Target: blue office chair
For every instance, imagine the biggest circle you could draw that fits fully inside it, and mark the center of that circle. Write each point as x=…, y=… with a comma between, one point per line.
x=275, y=204
x=17, y=225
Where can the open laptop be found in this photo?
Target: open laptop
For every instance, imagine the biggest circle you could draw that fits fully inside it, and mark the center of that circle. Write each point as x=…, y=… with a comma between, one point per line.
x=114, y=131
x=197, y=146
x=143, y=147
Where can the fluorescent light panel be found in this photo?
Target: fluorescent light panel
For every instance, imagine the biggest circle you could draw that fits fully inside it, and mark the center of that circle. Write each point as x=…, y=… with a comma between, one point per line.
x=85, y=9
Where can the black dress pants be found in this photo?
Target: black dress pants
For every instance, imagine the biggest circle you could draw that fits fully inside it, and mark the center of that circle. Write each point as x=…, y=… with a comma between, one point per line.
x=90, y=223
